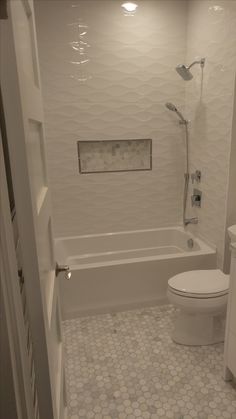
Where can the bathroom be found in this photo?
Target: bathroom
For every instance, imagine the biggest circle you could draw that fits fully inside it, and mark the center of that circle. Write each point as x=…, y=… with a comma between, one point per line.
x=139, y=128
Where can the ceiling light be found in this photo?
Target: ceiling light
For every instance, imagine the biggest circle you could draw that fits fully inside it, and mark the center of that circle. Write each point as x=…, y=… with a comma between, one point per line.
x=216, y=8
x=129, y=7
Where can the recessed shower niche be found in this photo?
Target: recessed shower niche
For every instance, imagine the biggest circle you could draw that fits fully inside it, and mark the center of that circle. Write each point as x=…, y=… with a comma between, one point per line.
x=114, y=155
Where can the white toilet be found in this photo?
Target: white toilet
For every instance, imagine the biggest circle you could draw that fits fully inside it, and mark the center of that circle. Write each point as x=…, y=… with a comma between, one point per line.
x=201, y=297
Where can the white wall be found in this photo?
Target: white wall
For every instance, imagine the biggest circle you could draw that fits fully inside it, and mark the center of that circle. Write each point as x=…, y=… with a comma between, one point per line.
x=127, y=77
x=209, y=105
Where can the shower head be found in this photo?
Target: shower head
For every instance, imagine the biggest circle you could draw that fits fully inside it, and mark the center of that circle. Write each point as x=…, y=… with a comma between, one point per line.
x=173, y=108
x=184, y=71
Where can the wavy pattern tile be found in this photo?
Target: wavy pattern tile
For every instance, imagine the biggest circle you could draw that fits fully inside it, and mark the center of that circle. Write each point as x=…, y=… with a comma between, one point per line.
x=209, y=106
x=115, y=87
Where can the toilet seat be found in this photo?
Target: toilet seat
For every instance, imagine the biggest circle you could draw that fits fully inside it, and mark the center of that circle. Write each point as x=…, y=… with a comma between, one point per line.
x=200, y=284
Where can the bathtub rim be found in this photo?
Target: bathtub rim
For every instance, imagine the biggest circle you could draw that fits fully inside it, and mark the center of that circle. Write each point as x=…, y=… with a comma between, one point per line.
x=204, y=248
x=145, y=230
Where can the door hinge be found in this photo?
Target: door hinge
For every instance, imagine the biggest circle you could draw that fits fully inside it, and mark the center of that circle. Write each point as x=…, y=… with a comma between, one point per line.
x=21, y=275
x=3, y=10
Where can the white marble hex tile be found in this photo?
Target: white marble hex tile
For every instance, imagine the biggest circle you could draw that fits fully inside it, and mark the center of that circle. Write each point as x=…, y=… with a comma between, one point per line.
x=125, y=365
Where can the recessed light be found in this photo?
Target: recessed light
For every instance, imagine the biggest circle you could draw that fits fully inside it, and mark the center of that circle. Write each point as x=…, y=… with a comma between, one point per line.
x=216, y=8
x=129, y=7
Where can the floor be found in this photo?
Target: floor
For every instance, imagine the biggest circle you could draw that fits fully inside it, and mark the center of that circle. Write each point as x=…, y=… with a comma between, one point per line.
x=125, y=366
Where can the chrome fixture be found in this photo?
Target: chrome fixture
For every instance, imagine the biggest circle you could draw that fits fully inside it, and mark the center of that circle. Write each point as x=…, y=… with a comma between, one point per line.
x=196, y=176
x=188, y=221
x=63, y=268
x=184, y=71
x=190, y=243
x=173, y=108
x=184, y=122
x=196, y=198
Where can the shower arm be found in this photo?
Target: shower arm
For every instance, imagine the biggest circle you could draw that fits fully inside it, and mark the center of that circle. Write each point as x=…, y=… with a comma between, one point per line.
x=201, y=62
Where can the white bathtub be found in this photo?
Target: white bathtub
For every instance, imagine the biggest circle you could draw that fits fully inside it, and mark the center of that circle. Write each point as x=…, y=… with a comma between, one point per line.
x=125, y=270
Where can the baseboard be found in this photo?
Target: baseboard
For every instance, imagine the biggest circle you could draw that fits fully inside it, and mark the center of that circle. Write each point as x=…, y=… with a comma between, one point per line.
x=90, y=311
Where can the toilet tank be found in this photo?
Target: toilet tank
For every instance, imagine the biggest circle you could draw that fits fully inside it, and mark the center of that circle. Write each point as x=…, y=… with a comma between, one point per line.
x=230, y=338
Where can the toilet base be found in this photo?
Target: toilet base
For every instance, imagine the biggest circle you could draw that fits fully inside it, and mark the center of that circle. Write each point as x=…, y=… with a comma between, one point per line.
x=198, y=329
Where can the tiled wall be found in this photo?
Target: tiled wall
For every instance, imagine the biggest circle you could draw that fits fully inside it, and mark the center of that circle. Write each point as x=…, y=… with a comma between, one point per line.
x=231, y=201
x=209, y=106
x=108, y=76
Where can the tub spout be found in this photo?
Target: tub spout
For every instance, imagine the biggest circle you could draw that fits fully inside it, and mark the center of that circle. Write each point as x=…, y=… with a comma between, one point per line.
x=188, y=221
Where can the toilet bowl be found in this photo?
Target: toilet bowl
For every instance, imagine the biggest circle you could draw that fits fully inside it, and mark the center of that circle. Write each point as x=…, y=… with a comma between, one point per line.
x=200, y=298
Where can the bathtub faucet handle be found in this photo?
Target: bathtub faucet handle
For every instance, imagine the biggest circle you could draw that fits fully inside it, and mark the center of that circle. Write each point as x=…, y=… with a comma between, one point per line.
x=188, y=221
x=63, y=268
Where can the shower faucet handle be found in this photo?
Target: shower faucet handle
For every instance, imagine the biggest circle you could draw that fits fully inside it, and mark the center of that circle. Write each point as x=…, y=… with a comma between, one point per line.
x=196, y=176
x=196, y=198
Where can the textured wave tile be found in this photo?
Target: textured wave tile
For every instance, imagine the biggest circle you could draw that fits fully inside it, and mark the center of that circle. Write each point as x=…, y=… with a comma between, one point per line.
x=107, y=76
x=113, y=86
x=209, y=107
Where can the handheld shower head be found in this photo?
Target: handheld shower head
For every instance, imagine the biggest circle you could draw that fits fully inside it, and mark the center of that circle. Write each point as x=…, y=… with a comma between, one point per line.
x=173, y=108
x=184, y=71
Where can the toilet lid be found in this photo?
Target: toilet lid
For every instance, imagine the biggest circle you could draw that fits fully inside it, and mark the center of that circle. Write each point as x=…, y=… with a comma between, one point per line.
x=211, y=281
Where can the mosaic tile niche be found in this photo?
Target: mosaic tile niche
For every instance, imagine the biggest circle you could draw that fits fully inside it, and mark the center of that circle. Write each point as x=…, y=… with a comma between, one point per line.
x=114, y=156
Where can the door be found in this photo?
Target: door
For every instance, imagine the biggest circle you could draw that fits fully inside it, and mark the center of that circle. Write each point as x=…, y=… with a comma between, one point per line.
x=22, y=101
x=16, y=391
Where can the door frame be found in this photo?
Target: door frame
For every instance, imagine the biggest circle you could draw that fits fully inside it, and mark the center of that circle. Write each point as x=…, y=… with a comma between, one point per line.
x=12, y=304
x=13, y=111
